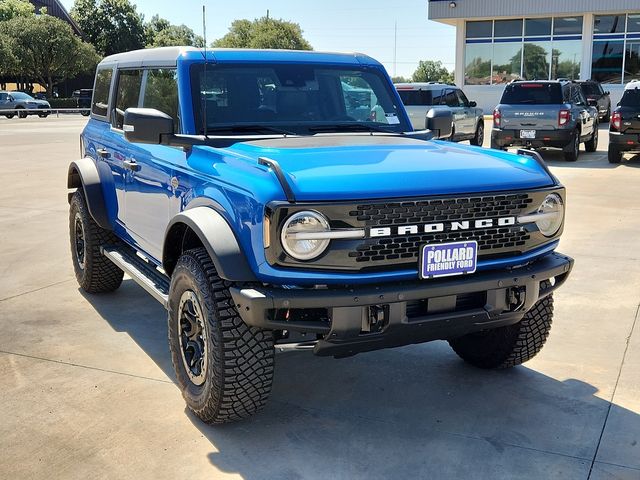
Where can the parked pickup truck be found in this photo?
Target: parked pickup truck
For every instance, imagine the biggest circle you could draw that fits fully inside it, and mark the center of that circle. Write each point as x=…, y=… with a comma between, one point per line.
x=236, y=189
x=543, y=114
x=419, y=98
x=624, y=128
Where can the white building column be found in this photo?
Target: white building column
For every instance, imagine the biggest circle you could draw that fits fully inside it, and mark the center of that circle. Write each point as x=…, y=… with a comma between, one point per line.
x=587, y=46
x=459, y=68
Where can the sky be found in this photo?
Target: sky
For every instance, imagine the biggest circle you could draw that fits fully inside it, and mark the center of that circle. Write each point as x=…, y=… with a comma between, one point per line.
x=329, y=25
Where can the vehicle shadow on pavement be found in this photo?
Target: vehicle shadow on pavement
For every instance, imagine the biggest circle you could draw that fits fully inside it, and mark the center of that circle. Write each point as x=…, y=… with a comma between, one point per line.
x=411, y=412
x=418, y=412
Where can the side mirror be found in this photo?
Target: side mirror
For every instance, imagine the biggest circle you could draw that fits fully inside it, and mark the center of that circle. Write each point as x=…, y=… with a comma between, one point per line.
x=9, y=98
x=147, y=125
x=607, y=92
x=473, y=104
x=440, y=121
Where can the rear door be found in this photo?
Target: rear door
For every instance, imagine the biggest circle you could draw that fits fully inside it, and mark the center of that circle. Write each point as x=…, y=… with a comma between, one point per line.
x=452, y=101
x=468, y=122
x=418, y=103
x=586, y=114
x=630, y=111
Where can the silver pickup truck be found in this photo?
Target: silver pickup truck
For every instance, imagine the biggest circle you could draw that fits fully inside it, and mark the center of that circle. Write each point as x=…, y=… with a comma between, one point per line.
x=545, y=114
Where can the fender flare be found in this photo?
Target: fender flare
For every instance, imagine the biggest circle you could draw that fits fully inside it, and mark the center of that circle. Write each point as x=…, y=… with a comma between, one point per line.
x=215, y=233
x=84, y=173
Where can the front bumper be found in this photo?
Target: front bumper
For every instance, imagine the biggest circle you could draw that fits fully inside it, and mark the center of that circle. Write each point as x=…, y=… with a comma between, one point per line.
x=625, y=142
x=544, y=138
x=348, y=328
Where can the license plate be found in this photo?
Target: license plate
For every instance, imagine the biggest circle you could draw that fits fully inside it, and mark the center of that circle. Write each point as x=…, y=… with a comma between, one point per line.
x=447, y=259
x=527, y=134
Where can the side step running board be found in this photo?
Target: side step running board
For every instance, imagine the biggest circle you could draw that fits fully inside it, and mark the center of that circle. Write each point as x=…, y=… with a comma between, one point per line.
x=141, y=271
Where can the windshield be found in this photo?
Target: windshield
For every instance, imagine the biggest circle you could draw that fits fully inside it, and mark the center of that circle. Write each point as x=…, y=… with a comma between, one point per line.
x=299, y=99
x=631, y=98
x=21, y=96
x=532, y=94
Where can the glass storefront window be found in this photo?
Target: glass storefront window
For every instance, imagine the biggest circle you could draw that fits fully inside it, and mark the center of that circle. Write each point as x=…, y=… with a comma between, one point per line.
x=536, y=60
x=606, y=64
x=567, y=26
x=608, y=24
x=507, y=60
x=478, y=64
x=480, y=29
x=566, y=58
x=632, y=61
x=537, y=26
x=633, y=23
x=507, y=28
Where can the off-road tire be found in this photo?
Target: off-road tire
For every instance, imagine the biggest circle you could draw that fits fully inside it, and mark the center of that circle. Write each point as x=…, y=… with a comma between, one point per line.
x=97, y=274
x=21, y=113
x=239, y=358
x=511, y=345
x=592, y=144
x=43, y=115
x=572, y=151
x=478, y=138
x=9, y=115
x=614, y=154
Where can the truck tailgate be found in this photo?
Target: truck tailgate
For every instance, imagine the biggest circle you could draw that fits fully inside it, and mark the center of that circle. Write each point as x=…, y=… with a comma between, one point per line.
x=530, y=117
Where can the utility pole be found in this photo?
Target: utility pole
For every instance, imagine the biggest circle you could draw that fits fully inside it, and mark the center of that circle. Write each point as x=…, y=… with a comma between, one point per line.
x=395, y=47
x=267, y=14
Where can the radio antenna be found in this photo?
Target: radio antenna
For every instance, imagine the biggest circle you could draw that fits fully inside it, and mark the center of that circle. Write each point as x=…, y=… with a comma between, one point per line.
x=204, y=70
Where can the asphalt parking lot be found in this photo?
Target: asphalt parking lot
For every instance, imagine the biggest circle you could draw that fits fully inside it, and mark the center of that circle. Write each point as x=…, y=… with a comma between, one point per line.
x=86, y=383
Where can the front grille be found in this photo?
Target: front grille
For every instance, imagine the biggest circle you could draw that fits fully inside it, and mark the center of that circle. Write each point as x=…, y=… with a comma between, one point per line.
x=491, y=241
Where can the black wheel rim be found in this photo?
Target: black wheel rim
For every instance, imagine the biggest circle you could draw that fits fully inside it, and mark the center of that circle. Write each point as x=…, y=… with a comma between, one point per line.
x=480, y=139
x=192, y=334
x=80, y=245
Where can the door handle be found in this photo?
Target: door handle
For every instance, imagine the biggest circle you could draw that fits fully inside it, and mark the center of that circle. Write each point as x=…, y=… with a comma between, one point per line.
x=131, y=165
x=102, y=153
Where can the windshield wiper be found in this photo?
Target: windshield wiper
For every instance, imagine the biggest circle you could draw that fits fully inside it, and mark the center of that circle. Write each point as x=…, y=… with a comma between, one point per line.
x=257, y=128
x=349, y=127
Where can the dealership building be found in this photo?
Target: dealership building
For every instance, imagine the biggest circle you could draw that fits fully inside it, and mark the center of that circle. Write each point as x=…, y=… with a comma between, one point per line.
x=498, y=41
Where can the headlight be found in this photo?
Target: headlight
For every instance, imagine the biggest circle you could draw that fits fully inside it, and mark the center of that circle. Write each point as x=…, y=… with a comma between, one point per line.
x=297, y=227
x=550, y=215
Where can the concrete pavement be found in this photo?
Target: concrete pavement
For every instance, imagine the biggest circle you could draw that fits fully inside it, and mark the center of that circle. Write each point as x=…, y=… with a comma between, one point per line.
x=86, y=384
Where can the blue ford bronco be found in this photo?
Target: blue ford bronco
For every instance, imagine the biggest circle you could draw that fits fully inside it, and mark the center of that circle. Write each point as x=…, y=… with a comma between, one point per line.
x=281, y=199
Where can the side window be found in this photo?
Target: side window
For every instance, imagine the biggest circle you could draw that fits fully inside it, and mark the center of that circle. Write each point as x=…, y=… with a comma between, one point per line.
x=161, y=93
x=577, y=97
x=451, y=99
x=100, y=101
x=464, y=101
x=438, y=97
x=127, y=95
x=3, y=97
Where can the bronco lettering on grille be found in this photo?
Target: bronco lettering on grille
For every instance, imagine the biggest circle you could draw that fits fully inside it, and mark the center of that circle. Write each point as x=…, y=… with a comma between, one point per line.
x=440, y=227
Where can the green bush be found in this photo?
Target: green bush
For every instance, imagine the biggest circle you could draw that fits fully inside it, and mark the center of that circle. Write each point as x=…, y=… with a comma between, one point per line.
x=63, y=102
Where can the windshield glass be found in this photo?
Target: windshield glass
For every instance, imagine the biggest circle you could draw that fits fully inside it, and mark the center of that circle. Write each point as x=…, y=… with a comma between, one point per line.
x=285, y=98
x=631, y=98
x=21, y=96
x=532, y=94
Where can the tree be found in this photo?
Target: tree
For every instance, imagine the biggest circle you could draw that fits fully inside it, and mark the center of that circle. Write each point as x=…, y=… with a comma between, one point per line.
x=161, y=33
x=111, y=26
x=264, y=33
x=15, y=8
x=7, y=60
x=536, y=62
x=400, y=79
x=46, y=49
x=432, y=71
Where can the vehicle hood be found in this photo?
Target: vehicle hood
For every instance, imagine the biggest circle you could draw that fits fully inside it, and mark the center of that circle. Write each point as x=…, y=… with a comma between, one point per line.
x=352, y=167
x=34, y=102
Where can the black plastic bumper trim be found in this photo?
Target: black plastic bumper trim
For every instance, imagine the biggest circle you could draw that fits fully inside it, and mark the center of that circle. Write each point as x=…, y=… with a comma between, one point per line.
x=346, y=306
